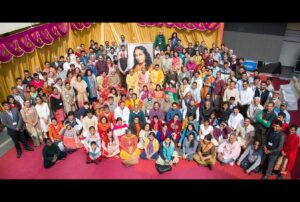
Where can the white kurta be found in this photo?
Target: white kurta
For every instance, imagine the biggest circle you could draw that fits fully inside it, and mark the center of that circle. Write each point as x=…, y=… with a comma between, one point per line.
x=43, y=112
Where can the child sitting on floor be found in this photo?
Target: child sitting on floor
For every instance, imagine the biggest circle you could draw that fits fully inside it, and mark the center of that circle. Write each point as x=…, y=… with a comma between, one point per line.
x=93, y=153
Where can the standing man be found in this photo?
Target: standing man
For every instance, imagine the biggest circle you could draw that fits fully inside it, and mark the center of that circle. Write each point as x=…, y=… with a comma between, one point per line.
x=272, y=149
x=12, y=120
x=160, y=40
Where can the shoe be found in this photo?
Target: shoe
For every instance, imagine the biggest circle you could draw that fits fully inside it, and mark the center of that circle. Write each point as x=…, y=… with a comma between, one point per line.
x=19, y=154
x=209, y=167
x=88, y=161
x=231, y=163
x=265, y=177
x=29, y=148
x=279, y=177
x=97, y=162
x=174, y=164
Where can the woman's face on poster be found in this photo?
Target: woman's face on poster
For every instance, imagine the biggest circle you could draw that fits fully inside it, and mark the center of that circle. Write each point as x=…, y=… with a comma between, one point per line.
x=139, y=56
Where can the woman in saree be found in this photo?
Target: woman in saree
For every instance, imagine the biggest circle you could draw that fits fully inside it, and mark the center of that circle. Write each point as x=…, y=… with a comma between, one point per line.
x=80, y=86
x=58, y=84
x=208, y=84
x=102, y=82
x=69, y=98
x=145, y=93
x=31, y=120
x=175, y=127
x=110, y=145
x=56, y=105
x=103, y=126
x=129, y=150
x=114, y=80
x=176, y=62
x=156, y=77
x=206, y=152
x=70, y=138
x=92, y=85
x=158, y=94
x=197, y=57
x=143, y=78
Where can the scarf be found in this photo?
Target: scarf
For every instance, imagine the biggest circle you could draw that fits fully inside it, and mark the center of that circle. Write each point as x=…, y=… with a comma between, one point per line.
x=150, y=147
x=57, y=96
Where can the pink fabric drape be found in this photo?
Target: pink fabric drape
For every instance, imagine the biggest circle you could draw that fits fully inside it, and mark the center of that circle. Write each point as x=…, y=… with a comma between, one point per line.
x=26, y=41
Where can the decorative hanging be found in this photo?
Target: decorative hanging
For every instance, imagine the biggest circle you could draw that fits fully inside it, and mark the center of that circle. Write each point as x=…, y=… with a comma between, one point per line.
x=200, y=26
x=27, y=41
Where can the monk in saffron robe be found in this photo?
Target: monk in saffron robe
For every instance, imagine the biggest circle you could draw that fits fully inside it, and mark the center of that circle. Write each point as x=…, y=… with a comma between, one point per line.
x=156, y=77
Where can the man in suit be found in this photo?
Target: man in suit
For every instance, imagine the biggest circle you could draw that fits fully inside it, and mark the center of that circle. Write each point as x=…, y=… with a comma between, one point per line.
x=12, y=120
x=262, y=92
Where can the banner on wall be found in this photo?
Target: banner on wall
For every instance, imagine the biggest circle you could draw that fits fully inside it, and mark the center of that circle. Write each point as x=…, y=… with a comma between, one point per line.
x=140, y=52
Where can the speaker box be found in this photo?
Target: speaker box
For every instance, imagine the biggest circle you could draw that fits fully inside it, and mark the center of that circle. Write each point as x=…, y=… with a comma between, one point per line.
x=272, y=68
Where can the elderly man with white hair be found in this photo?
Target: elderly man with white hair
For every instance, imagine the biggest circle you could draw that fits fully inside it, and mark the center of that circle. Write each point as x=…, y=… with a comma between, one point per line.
x=254, y=108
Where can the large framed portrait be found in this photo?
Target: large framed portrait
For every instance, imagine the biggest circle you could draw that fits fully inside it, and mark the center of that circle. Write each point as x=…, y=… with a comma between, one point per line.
x=140, y=54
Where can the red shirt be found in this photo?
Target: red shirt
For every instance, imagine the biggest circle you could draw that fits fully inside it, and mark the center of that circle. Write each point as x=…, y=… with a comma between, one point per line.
x=36, y=84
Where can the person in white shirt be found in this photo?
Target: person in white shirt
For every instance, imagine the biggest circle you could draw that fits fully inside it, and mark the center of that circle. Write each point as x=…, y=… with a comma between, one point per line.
x=245, y=133
x=253, y=109
x=246, y=96
x=195, y=92
x=89, y=120
x=196, y=78
x=235, y=119
x=205, y=129
x=231, y=92
x=66, y=65
x=123, y=112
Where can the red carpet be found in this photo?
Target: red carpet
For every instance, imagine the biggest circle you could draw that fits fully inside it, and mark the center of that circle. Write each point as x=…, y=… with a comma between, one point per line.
x=30, y=166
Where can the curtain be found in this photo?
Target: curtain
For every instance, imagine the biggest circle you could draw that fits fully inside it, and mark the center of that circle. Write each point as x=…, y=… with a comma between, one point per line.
x=99, y=32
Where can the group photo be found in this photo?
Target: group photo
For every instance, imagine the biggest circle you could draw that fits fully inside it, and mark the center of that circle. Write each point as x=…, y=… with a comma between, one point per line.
x=158, y=100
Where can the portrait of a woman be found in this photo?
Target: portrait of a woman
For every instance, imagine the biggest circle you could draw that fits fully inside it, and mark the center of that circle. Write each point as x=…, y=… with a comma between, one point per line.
x=142, y=58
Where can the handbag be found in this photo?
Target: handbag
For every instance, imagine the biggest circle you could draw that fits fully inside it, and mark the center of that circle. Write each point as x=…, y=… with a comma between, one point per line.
x=162, y=168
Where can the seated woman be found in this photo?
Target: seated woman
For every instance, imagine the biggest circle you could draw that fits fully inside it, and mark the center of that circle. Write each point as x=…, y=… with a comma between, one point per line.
x=251, y=158
x=205, y=129
x=102, y=82
x=158, y=94
x=54, y=129
x=156, y=124
x=186, y=132
x=145, y=93
x=92, y=136
x=167, y=154
x=129, y=151
x=70, y=138
x=175, y=127
x=119, y=128
x=103, y=126
x=110, y=145
x=93, y=153
x=51, y=154
x=189, y=147
x=163, y=133
x=151, y=147
x=221, y=133
x=143, y=135
x=206, y=152
x=213, y=121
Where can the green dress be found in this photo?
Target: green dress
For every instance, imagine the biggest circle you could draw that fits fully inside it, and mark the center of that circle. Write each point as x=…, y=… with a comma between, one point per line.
x=160, y=41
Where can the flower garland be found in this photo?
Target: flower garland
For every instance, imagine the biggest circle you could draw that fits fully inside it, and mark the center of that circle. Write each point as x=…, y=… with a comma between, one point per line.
x=200, y=26
x=18, y=44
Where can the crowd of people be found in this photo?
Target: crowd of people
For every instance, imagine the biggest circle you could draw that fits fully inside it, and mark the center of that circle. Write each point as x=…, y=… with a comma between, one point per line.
x=189, y=103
